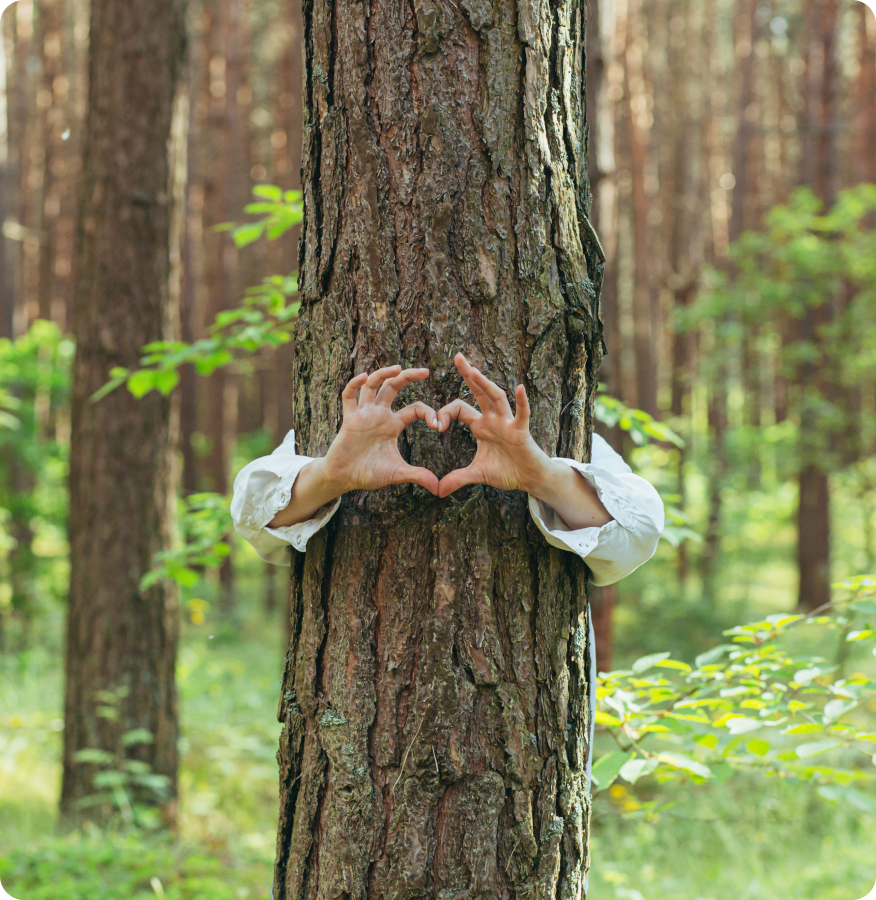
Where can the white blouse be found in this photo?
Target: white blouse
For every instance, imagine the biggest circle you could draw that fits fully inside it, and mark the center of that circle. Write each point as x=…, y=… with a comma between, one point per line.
x=264, y=488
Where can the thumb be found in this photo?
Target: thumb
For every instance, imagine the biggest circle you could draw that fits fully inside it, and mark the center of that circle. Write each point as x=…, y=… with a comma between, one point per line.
x=417, y=475
x=459, y=478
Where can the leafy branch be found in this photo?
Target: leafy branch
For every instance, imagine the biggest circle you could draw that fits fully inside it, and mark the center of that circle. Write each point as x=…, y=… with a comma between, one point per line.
x=265, y=319
x=711, y=710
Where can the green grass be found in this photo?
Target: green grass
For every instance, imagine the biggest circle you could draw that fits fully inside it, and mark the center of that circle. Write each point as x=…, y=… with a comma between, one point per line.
x=228, y=687
x=749, y=839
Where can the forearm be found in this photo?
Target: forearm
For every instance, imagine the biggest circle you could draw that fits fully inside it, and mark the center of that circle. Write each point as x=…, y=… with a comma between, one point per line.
x=572, y=496
x=314, y=488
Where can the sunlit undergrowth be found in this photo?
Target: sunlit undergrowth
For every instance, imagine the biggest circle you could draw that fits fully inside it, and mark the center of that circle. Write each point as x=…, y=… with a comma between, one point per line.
x=740, y=837
x=228, y=680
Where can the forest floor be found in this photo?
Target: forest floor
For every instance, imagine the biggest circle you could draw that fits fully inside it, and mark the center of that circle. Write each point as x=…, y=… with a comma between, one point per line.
x=745, y=839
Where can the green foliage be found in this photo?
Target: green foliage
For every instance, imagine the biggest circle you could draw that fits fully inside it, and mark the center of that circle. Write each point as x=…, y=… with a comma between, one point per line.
x=800, y=705
x=280, y=212
x=203, y=523
x=804, y=262
x=112, y=865
x=34, y=428
x=761, y=840
x=641, y=426
x=127, y=786
x=264, y=320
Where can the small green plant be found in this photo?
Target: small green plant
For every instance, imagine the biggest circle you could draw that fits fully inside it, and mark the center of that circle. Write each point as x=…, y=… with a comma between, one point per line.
x=203, y=523
x=641, y=426
x=753, y=704
x=128, y=786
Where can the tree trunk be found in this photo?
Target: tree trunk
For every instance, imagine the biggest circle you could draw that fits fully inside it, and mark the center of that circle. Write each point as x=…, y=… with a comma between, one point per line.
x=638, y=119
x=122, y=482
x=819, y=172
x=435, y=699
x=864, y=143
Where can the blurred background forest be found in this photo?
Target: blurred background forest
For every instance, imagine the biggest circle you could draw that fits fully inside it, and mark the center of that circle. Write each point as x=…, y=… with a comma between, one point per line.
x=733, y=170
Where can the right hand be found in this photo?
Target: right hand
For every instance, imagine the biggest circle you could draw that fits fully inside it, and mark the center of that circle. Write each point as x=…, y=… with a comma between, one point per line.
x=364, y=455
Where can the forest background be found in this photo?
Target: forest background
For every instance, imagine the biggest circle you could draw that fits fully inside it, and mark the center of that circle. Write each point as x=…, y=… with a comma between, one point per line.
x=736, y=313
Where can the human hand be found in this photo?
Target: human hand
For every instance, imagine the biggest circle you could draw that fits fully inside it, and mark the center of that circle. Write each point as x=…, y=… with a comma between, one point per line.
x=364, y=455
x=507, y=456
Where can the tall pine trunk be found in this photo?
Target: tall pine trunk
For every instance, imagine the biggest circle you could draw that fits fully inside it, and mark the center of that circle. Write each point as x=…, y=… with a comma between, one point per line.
x=435, y=704
x=120, y=638
x=819, y=172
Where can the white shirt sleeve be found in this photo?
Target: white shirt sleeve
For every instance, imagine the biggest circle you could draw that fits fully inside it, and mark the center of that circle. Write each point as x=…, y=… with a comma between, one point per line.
x=264, y=487
x=261, y=490
x=624, y=544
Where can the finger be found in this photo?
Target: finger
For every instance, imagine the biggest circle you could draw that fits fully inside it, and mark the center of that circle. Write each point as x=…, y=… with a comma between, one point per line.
x=375, y=380
x=417, y=475
x=387, y=394
x=349, y=393
x=521, y=420
x=467, y=371
x=458, y=409
x=418, y=412
x=497, y=396
x=457, y=479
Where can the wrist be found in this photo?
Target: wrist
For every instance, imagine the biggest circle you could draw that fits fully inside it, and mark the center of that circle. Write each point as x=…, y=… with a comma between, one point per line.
x=329, y=479
x=544, y=477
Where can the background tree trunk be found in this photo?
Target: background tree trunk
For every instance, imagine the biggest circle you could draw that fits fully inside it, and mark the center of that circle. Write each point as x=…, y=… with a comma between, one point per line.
x=819, y=172
x=122, y=458
x=435, y=704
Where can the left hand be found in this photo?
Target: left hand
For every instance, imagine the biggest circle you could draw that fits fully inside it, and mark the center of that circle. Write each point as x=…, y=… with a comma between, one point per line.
x=507, y=456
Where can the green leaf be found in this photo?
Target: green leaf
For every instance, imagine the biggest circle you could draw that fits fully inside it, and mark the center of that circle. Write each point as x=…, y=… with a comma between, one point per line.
x=268, y=192
x=607, y=768
x=806, y=728
x=137, y=736
x=713, y=655
x=110, y=779
x=244, y=235
x=141, y=382
x=673, y=664
x=96, y=757
x=758, y=747
x=805, y=676
x=646, y=662
x=709, y=740
x=680, y=761
x=807, y=750
x=166, y=380
x=634, y=769
x=834, y=709
x=742, y=724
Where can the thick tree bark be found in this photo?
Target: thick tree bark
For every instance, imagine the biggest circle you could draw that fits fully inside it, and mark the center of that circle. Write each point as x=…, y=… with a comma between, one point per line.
x=435, y=704
x=122, y=456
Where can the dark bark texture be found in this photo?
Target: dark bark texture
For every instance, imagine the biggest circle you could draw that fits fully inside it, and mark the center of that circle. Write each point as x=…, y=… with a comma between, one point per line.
x=434, y=702
x=122, y=456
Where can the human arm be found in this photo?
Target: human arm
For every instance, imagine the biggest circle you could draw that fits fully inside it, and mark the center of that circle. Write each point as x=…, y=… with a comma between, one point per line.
x=364, y=455
x=285, y=498
x=600, y=510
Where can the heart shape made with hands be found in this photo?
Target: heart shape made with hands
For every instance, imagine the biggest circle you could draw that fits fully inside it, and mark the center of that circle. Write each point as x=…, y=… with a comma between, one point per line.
x=365, y=453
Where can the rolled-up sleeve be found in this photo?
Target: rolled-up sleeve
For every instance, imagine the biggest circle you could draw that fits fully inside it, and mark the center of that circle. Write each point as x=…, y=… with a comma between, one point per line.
x=261, y=490
x=615, y=550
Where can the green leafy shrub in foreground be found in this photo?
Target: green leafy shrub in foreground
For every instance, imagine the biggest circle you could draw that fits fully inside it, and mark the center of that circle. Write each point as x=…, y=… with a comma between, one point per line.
x=760, y=703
